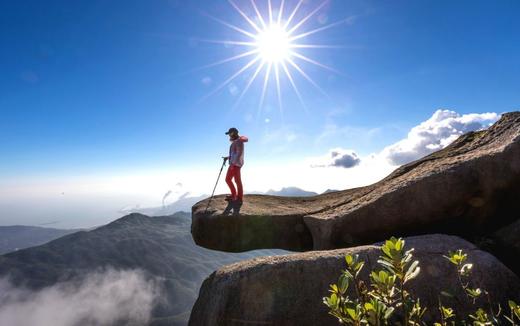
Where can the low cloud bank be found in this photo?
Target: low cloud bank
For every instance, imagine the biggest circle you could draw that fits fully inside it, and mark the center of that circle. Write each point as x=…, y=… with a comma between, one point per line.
x=100, y=298
x=434, y=134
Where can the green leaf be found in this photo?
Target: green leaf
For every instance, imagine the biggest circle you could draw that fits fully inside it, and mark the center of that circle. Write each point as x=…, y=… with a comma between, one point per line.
x=450, y=260
x=389, y=311
x=387, y=265
x=348, y=274
x=412, y=271
x=412, y=275
x=352, y=313
x=343, y=283
x=348, y=259
x=474, y=293
x=447, y=294
x=447, y=312
x=510, y=320
x=465, y=270
x=333, y=299
x=386, y=250
x=399, y=244
x=359, y=267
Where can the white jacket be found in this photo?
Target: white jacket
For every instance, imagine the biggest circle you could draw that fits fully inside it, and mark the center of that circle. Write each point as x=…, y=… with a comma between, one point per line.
x=236, y=151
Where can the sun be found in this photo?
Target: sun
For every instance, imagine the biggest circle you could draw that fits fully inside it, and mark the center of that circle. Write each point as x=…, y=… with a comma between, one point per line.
x=274, y=42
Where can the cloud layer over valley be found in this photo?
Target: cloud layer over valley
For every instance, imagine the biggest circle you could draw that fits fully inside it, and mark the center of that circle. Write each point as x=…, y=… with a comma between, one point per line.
x=100, y=298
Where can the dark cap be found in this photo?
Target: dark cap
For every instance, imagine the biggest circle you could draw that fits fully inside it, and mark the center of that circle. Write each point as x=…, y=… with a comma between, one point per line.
x=235, y=130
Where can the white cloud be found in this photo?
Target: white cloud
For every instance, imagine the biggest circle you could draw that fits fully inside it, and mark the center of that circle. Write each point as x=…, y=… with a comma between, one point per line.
x=338, y=157
x=101, y=298
x=436, y=133
x=431, y=135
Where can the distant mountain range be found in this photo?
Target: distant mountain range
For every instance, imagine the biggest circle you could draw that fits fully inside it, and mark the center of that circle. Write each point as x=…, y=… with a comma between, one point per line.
x=329, y=190
x=291, y=192
x=182, y=204
x=161, y=246
x=18, y=237
x=185, y=202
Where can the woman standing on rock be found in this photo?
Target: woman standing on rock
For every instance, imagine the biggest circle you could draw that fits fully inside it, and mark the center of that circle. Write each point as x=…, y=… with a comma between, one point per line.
x=236, y=160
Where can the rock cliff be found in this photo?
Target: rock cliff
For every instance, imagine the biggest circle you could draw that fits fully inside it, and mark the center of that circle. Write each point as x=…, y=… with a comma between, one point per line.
x=470, y=188
x=288, y=290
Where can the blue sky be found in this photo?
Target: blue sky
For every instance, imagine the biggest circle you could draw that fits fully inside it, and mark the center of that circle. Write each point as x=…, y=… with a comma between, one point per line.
x=92, y=89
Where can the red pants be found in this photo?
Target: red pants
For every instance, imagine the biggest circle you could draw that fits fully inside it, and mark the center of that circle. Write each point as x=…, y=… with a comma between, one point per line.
x=234, y=172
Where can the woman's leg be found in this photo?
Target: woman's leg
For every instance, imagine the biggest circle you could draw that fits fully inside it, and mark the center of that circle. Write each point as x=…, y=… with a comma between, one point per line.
x=229, y=176
x=238, y=181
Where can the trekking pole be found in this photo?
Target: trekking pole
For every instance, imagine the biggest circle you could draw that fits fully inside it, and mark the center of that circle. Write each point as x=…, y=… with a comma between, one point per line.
x=220, y=172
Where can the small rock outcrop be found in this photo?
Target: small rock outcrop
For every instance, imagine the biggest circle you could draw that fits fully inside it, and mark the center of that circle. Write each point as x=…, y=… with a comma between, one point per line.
x=470, y=188
x=288, y=290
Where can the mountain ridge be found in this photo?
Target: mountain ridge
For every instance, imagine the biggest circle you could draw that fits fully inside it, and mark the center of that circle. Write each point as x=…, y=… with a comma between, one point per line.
x=16, y=237
x=160, y=246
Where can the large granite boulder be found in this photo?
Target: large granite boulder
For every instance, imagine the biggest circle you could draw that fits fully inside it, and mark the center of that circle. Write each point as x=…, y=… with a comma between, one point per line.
x=288, y=290
x=470, y=188
x=505, y=245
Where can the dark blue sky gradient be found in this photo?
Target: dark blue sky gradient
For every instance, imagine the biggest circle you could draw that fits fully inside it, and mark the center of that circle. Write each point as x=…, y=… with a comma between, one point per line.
x=89, y=86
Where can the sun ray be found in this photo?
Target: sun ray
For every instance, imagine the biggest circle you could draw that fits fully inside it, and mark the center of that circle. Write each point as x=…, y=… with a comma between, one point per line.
x=292, y=14
x=236, y=57
x=280, y=12
x=309, y=79
x=228, y=42
x=289, y=76
x=301, y=56
x=227, y=81
x=299, y=36
x=252, y=23
x=251, y=80
x=258, y=14
x=270, y=12
x=266, y=79
x=316, y=46
x=278, y=91
x=301, y=22
x=272, y=42
x=238, y=29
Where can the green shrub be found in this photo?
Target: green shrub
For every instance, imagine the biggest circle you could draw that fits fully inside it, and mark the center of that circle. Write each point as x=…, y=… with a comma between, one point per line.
x=385, y=301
